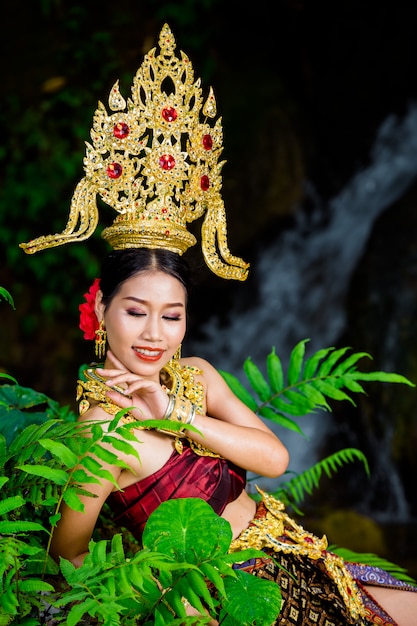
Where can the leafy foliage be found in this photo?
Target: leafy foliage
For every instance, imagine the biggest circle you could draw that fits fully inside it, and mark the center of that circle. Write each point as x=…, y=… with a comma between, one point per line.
x=47, y=462
x=310, y=385
x=150, y=587
x=295, y=490
x=46, y=457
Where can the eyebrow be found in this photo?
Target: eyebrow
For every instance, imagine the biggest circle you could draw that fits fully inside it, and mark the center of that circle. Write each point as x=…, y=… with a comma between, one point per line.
x=140, y=301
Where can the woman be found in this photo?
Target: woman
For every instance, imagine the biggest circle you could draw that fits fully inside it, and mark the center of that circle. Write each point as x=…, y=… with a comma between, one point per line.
x=142, y=306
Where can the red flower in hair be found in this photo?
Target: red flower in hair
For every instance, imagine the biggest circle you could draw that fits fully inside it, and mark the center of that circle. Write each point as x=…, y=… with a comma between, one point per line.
x=88, y=319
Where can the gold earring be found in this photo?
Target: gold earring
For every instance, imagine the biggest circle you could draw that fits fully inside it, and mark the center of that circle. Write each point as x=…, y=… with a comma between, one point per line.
x=100, y=342
x=177, y=354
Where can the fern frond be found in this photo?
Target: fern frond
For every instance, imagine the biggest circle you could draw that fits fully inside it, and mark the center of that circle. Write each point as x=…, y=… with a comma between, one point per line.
x=309, y=385
x=304, y=484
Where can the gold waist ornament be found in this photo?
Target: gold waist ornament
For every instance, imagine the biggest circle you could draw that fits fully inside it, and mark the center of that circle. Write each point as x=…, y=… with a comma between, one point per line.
x=277, y=531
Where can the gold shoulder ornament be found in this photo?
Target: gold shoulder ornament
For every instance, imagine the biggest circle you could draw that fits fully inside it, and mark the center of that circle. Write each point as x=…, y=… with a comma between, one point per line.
x=180, y=379
x=155, y=160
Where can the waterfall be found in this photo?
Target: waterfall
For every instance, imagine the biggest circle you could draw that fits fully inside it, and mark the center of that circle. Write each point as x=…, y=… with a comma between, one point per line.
x=304, y=275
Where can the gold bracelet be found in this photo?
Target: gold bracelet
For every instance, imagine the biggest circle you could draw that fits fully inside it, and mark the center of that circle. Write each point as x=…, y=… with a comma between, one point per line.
x=180, y=409
x=170, y=407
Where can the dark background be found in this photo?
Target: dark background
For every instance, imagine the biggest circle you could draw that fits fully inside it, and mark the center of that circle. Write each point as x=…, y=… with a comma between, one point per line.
x=302, y=88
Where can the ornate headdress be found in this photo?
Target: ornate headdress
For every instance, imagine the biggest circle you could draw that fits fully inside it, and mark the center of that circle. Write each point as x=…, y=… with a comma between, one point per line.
x=157, y=165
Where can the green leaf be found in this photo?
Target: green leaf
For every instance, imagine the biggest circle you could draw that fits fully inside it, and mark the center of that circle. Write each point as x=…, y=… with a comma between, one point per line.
x=288, y=407
x=239, y=390
x=183, y=539
x=121, y=444
x=383, y=377
x=296, y=363
x=213, y=575
x=60, y=451
x=274, y=371
x=7, y=527
x=8, y=377
x=72, y=498
x=195, y=580
x=10, y=504
x=54, y=519
x=328, y=364
x=7, y=296
x=257, y=380
x=332, y=392
x=95, y=468
x=80, y=476
x=350, y=383
x=240, y=593
x=312, y=363
x=57, y=476
x=316, y=398
x=77, y=611
x=304, y=483
x=350, y=362
x=31, y=585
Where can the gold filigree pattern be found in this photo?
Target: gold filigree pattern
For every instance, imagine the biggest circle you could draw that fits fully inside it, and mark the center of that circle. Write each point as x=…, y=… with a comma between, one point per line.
x=156, y=161
x=277, y=531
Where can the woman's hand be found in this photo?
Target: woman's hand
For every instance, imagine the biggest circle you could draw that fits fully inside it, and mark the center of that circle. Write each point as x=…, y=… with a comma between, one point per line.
x=147, y=396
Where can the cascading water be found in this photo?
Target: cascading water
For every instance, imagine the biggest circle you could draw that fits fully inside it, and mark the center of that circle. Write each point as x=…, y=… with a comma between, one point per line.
x=304, y=275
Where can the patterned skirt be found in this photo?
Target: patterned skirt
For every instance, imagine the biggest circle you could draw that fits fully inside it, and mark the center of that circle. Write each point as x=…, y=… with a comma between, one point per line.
x=318, y=588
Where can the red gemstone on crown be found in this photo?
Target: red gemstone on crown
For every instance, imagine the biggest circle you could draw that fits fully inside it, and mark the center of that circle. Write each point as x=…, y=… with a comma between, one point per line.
x=207, y=142
x=204, y=182
x=114, y=170
x=169, y=114
x=167, y=162
x=121, y=130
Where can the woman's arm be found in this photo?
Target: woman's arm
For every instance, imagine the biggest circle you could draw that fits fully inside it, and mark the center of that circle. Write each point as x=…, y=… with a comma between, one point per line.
x=236, y=432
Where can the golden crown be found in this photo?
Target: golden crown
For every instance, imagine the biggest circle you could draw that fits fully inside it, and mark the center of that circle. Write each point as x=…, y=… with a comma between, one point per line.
x=157, y=165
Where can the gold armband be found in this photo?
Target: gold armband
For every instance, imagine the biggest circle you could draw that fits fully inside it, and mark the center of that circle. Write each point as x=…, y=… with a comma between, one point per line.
x=180, y=409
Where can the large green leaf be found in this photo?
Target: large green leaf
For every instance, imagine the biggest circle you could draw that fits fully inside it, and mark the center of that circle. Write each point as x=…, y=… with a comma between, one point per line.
x=182, y=537
x=241, y=592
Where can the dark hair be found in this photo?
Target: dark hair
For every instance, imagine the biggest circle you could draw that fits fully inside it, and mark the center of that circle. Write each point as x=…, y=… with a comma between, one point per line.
x=120, y=265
